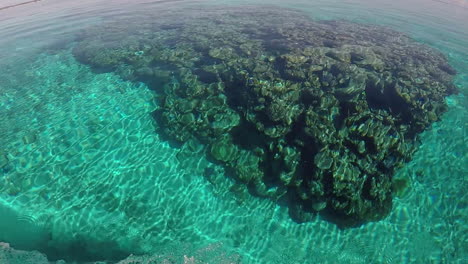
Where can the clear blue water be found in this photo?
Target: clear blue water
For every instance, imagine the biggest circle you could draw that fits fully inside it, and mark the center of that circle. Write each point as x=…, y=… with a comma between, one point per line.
x=87, y=173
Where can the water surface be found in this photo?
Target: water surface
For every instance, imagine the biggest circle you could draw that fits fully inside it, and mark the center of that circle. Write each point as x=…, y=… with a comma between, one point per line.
x=87, y=175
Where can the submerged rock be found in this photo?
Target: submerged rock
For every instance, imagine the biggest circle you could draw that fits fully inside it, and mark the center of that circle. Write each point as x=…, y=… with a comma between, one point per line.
x=324, y=111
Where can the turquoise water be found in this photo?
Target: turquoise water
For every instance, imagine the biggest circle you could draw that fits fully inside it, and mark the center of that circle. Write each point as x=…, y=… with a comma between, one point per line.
x=87, y=174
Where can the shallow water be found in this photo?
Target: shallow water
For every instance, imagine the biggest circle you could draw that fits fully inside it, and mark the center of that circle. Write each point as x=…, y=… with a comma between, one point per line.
x=86, y=174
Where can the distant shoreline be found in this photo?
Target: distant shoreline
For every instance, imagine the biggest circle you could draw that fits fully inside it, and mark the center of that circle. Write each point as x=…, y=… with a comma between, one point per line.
x=24, y=3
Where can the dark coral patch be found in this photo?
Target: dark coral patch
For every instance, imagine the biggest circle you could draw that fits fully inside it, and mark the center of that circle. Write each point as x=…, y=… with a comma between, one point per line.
x=320, y=112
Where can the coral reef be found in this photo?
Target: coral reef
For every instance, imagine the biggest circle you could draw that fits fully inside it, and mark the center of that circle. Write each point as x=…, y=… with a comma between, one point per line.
x=213, y=253
x=9, y=255
x=319, y=113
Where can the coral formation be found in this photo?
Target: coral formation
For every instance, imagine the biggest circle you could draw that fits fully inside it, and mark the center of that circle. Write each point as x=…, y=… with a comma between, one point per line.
x=320, y=113
x=9, y=255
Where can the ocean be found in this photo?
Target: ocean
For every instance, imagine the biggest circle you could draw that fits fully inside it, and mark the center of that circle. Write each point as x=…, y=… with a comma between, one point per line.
x=233, y=131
